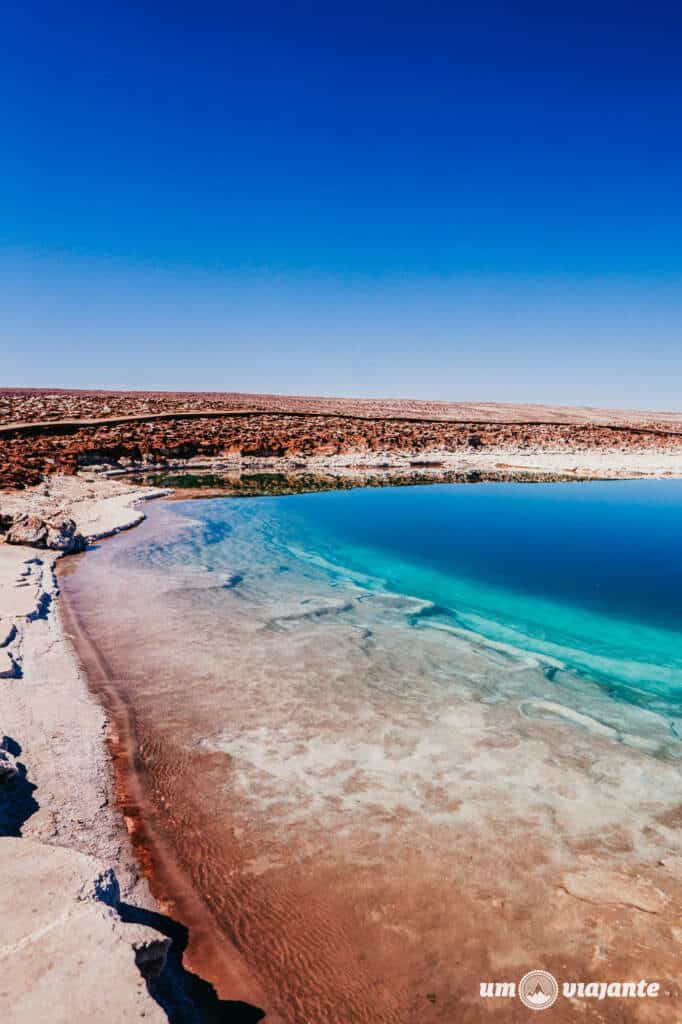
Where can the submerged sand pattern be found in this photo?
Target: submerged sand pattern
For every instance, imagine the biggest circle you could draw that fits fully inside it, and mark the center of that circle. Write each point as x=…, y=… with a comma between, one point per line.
x=377, y=811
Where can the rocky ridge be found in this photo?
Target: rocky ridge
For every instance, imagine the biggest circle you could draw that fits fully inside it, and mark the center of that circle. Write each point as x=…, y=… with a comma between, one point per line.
x=27, y=456
x=50, y=404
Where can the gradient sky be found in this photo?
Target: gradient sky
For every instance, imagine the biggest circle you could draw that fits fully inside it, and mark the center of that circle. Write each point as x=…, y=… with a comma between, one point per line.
x=433, y=200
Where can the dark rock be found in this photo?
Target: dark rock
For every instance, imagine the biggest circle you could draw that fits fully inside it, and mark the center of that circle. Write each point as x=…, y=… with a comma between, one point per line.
x=28, y=529
x=58, y=533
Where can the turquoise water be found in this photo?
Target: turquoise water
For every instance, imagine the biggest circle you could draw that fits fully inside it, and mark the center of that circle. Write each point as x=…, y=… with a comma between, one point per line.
x=588, y=574
x=585, y=576
x=447, y=709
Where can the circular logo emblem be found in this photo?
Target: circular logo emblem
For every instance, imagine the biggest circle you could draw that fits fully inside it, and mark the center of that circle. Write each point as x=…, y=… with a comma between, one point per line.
x=538, y=990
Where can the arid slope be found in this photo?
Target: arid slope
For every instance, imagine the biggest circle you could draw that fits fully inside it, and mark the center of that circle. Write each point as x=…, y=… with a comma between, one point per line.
x=46, y=431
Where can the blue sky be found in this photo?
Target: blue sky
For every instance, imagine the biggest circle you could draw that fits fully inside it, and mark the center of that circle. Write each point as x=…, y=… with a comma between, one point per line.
x=424, y=200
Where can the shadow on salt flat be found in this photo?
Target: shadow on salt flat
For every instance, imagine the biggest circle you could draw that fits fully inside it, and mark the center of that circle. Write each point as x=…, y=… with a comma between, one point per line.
x=17, y=802
x=185, y=997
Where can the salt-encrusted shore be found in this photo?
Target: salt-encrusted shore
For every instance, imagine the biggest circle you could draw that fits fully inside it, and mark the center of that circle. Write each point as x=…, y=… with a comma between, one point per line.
x=600, y=464
x=65, y=954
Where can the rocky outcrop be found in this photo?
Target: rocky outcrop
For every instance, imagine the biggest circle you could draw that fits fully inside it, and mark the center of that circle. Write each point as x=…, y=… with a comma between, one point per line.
x=42, y=433
x=26, y=457
x=71, y=948
x=29, y=530
x=66, y=953
x=149, y=948
x=58, y=533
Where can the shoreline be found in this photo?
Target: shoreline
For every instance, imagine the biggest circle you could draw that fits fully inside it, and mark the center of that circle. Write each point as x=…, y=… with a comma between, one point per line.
x=259, y=875
x=598, y=464
x=208, y=952
x=69, y=880
x=94, y=775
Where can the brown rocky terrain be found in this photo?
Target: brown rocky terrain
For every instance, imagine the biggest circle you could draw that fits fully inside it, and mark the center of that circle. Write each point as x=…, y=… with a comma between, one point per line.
x=39, y=404
x=44, y=432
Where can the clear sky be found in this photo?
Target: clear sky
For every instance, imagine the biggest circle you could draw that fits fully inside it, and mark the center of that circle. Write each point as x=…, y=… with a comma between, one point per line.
x=431, y=200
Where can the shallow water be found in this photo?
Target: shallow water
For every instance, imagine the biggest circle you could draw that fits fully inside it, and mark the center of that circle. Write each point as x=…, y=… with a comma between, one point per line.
x=381, y=716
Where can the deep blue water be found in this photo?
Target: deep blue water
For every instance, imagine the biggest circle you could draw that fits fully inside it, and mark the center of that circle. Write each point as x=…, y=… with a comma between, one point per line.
x=585, y=576
x=612, y=547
